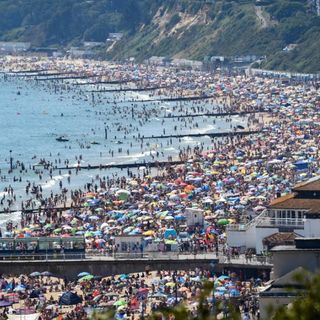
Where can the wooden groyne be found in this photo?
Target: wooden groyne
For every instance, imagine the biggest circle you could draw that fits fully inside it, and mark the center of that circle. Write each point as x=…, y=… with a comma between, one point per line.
x=129, y=89
x=105, y=82
x=190, y=98
x=30, y=71
x=57, y=208
x=217, y=114
x=66, y=78
x=154, y=164
x=211, y=135
x=48, y=75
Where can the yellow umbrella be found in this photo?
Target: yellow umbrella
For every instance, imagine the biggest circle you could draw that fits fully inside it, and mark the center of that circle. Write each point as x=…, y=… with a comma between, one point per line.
x=170, y=284
x=148, y=233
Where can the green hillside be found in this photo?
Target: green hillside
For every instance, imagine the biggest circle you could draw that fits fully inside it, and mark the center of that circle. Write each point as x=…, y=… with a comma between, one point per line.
x=177, y=28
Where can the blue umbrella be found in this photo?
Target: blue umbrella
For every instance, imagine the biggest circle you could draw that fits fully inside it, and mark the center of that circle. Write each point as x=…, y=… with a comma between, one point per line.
x=35, y=274
x=20, y=287
x=234, y=293
x=5, y=303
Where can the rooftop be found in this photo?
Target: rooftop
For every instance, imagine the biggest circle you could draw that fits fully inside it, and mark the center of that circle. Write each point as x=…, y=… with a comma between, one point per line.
x=310, y=185
x=289, y=202
x=283, y=286
x=280, y=238
x=308, y=244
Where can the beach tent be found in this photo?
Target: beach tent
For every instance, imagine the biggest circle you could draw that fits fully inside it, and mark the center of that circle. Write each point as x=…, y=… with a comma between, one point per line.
x=69, y=298
x=170, y=233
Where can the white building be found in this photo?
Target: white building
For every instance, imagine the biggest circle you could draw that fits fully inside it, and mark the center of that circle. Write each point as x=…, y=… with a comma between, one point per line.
x=288, y=261
x=115, y=36
x=185, y=63
x=13, y=47
x=126, y=243
x=298, y=212
x=194, y=217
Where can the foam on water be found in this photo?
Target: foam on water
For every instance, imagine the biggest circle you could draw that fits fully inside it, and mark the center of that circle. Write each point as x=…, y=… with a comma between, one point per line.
x=6, y=217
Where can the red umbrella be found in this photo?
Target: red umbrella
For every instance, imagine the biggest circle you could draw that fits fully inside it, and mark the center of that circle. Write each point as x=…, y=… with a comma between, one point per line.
x=143, y=290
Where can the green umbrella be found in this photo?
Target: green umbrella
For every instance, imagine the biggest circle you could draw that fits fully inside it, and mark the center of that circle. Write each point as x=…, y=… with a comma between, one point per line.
x=89, y=234
x=48, y=226
x=86, y=278
x=120, y=302
x=223, y=222
x=58, y=230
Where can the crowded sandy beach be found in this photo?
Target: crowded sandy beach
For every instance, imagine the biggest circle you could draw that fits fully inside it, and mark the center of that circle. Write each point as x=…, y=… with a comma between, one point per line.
x=269, y=140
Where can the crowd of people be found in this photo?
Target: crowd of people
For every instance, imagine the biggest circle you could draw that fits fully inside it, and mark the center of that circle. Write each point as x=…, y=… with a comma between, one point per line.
x=230, y=181
x=129, y=296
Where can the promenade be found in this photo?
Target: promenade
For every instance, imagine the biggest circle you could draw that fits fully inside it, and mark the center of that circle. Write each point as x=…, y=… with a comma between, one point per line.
x=120, y=263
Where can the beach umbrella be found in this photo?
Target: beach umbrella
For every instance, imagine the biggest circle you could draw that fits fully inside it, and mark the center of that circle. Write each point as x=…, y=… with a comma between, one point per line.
x=5, y=303
x=149, y=233
x=234, y=293
x=123, y=194
x=89, y=234
x=222, y=289
x=111, y=294
x=94, y=217
x=223, y=222
x=159, y=295
x=123, y=276
x=69, y=298
x=86, y=278
x=170, y=284
x=128, y=229
x=120, y=302
x=58, y=230
x=170, y=233
x=179, y=217
x=35, y=274
x=35, y=293
x=83, y=274
x=46, y=274
x=20, y=287
x=143, y=290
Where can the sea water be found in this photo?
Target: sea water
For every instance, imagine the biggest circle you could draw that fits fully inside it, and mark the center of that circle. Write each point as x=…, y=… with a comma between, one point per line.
x=33, y=114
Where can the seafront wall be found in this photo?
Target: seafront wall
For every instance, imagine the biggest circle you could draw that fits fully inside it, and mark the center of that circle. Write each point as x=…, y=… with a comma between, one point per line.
x=71, y=268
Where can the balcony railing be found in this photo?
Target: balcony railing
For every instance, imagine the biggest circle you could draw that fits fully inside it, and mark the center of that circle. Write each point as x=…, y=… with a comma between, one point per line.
x=280, y=222
x=265, y=220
